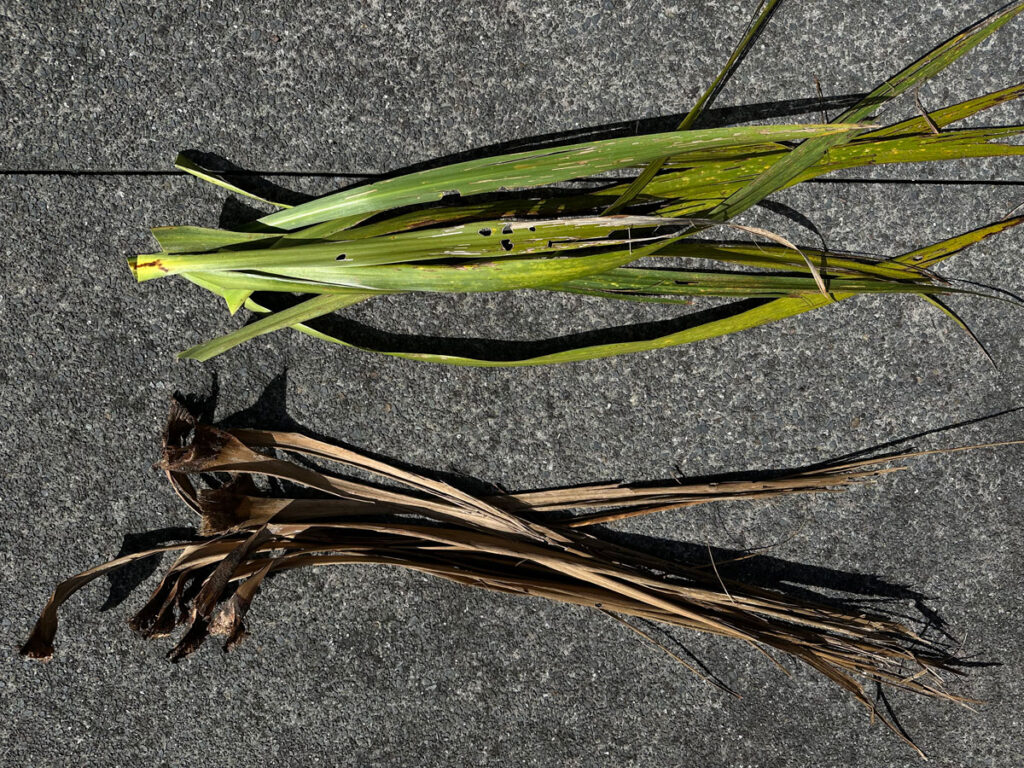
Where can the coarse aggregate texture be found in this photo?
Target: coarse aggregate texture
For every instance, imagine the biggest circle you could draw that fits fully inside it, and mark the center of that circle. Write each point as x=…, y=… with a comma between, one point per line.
x=371, y=666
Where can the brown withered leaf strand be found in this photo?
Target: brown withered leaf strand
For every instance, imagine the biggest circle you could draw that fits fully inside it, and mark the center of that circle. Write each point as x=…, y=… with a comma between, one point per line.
x=501, y=543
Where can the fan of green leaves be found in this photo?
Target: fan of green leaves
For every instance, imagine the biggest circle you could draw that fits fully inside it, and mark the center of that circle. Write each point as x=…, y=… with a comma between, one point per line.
x=508, y=222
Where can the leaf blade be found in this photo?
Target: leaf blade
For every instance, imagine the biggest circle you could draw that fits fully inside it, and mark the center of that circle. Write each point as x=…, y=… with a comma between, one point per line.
x=528, y=169
x=812, y=150
x=757, y=23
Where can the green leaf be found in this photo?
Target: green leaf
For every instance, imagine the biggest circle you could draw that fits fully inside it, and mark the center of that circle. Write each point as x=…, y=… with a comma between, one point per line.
x=249, y=282
x=760, y=315
x=198, y=239
x=702, y=184
x=811, y=151
x=768, y=312
x=343, y=261
x=625, y=282
x=366, y=241
x=770, y=256
x=234, y=297
x=154, y=265
x=927, y=257
x=931, y=63
x=483, y=276
x=530, y=169
x=183, y=163
x=761, y=17
x=330, y=229
x=307, y=310
x=519, y=207
x=947, y=115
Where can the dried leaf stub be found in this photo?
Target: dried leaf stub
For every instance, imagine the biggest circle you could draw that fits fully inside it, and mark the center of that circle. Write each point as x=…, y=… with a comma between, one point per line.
x=501, y=543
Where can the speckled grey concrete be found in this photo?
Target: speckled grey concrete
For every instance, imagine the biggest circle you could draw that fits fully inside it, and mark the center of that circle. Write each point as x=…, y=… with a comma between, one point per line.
x=375, y=667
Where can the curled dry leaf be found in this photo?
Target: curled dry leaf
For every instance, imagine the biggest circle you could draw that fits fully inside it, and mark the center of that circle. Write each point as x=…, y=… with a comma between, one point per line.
x=504, y=543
